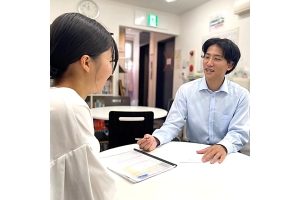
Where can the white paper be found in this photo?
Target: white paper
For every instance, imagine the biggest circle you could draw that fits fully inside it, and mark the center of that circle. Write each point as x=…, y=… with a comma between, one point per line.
x=169, y=61
x=188, y=157
x=136, y=166
x=192, y=158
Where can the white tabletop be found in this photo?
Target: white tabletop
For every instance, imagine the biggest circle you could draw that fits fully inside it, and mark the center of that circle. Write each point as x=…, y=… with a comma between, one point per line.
x=191, y=179
x=103, y=112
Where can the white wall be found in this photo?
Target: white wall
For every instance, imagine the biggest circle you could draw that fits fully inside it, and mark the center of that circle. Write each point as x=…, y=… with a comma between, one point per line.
x=112, y=16
x=194, y=25
x=190, y=28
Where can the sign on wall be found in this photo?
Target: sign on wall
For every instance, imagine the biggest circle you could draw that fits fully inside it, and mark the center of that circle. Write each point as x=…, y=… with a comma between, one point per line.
x=233, y=35
x=143, y=18
x=216, y=22
x=152, y=20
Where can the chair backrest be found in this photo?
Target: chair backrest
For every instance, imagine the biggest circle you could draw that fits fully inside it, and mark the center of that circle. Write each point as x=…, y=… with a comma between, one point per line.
x=125, y=127
x=179, y=136
x=117, y=101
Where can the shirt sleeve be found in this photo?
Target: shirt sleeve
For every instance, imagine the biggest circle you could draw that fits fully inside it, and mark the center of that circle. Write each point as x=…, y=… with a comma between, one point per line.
x=175, y=120
x=239, y=126
x=86, y=126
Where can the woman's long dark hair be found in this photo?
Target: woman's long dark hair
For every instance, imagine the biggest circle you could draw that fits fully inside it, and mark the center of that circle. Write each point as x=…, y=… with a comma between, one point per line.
x=73, y=35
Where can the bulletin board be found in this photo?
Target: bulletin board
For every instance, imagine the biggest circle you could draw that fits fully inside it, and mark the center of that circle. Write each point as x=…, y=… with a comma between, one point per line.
x=232, y=34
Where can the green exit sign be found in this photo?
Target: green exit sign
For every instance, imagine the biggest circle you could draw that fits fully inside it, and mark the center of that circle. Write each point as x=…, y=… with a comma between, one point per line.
x=152, y=20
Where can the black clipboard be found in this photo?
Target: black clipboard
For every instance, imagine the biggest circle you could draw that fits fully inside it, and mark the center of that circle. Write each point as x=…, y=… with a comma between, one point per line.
x=138, y=165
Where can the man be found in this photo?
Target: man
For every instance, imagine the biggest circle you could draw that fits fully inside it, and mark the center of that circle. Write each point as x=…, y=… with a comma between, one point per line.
x=215, y=109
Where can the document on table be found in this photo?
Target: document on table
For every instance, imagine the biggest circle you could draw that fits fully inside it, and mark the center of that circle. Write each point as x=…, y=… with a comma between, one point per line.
x=137, y=165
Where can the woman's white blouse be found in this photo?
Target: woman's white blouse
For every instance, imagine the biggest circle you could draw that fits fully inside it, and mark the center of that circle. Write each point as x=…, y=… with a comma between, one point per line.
x=75, y=169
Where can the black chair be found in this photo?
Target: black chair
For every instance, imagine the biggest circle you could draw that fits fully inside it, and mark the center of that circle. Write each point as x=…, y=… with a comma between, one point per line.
x=170, y=102
x=159, y=122
x=125, y=127
x=111, y=101
x=246, y=148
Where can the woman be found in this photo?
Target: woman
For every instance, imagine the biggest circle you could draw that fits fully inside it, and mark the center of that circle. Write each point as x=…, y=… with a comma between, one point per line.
x=82, y=52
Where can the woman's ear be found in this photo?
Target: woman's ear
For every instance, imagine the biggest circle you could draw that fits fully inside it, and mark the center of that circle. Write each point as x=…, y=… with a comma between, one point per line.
x=85, y=62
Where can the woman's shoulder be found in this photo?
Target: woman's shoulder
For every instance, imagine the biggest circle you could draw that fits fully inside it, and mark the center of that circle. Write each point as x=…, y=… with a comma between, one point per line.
x=66, y=96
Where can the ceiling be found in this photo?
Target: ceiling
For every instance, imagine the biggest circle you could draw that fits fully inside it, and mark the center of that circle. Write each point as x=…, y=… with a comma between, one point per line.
x=178, y=7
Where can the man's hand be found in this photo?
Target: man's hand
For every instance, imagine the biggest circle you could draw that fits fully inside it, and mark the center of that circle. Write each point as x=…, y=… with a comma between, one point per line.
x=213, y=153
x=148, y=143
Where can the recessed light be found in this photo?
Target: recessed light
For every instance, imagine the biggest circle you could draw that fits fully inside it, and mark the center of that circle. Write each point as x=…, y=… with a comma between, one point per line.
x=169, y=1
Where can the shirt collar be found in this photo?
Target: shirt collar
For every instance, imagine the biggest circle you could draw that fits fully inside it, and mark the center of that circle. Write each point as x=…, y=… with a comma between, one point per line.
x=203, y=85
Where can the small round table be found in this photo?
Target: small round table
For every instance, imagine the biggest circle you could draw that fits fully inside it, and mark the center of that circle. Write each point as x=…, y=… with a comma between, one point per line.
x=103, y=112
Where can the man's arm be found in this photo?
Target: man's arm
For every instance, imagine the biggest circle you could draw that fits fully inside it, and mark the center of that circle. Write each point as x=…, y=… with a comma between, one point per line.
x=239, y=127
x=175, y=120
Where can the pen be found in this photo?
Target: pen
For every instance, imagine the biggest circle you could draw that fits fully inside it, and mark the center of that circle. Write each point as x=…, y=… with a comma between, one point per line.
x=141, y=138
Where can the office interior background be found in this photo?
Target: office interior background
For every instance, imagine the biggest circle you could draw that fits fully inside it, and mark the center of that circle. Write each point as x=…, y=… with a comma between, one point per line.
x=166, y=50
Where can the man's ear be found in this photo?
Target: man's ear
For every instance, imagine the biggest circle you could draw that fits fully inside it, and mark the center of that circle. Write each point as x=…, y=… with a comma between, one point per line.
x=85, y=62
x=230, y=65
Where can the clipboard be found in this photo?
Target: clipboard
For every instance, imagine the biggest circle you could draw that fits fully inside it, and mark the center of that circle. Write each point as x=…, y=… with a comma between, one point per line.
x=136, y=165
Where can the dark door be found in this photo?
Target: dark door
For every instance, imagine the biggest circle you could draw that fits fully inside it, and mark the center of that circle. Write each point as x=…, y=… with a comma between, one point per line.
x=143, y=75
x=165, y=67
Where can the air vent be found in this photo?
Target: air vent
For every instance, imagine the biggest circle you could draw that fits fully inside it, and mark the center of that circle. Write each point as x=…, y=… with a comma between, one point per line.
x=241, y=6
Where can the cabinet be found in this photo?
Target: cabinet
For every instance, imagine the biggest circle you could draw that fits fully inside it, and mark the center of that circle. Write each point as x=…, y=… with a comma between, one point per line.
x=244, y=82
x=97, y=99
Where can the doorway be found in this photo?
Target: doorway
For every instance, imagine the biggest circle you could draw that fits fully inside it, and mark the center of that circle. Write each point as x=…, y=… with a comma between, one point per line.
x=165, y=71
x=144, y=75
x=144, y=49
x=144, y=68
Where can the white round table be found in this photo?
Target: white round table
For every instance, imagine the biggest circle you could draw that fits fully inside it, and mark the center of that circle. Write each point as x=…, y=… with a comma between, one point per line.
x=191, y=179
x=103, y=112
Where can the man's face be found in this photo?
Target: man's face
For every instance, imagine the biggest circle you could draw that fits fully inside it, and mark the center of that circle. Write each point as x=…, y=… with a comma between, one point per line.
x=214, y=64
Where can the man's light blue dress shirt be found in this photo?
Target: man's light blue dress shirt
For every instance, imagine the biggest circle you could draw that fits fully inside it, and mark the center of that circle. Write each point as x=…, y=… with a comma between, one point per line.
x=220, y=117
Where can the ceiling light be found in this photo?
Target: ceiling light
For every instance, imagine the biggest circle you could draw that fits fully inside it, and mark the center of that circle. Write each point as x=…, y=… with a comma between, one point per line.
x=169, y=1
